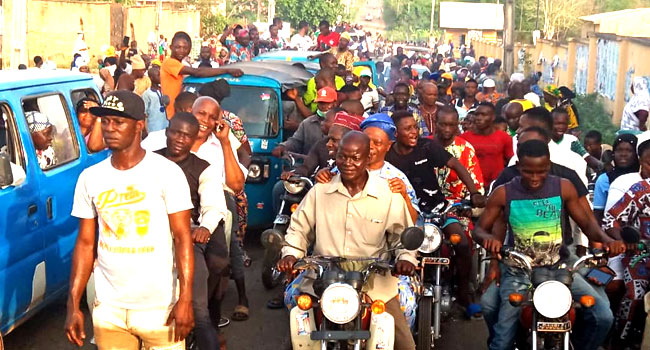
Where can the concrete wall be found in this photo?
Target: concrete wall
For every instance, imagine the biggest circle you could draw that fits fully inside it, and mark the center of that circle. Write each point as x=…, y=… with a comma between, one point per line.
x=52, y=26
x=602, y=63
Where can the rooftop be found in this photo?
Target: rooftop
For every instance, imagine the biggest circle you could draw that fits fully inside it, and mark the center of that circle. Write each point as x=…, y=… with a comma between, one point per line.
x=630, y=22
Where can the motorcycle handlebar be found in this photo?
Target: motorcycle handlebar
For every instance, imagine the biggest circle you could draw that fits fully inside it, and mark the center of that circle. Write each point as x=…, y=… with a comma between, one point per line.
x=525, y=259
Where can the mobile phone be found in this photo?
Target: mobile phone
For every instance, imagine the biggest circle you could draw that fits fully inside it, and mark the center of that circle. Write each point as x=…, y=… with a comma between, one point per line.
x=125, y=40
x=601, y=276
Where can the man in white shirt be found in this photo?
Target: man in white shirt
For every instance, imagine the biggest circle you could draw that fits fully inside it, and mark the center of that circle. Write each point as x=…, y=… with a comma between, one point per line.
x=140, y=204
x=301, y=41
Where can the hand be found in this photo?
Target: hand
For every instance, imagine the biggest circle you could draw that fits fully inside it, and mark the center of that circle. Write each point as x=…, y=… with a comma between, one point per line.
x=492, y=245
x=74, y=327
x=493, y=274
x=292, y=94
x=396, y=185
x=324, y=176
x=615, y=247
x=286, y=175
x=310, y=57
x=222, y=131
x=183, y=317
x=201, y=235
x=478, y=200
x=278, y=150
x=286, y=264
x=235, y=72
x=403, y=267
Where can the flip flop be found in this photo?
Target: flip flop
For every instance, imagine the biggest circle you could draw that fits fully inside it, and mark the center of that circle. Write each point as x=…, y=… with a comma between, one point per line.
x=223, y=322
x=240, y=313
x=275, y=303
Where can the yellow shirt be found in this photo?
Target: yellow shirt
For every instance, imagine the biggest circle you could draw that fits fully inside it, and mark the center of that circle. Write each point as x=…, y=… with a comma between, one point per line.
x=361, y=226
x=345, y=58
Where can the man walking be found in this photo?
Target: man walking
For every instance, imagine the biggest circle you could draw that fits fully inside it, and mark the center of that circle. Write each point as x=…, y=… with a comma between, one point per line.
x=140, y=204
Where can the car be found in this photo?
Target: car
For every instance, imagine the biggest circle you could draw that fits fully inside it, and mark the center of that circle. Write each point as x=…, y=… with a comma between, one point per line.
x=37, y=232
x=257, y=98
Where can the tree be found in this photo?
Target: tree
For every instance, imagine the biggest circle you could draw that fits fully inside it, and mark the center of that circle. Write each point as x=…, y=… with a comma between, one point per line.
x=408, y=19
x=312, y=11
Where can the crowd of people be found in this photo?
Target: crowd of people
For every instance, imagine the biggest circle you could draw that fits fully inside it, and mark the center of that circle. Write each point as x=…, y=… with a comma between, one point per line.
x=170, y=208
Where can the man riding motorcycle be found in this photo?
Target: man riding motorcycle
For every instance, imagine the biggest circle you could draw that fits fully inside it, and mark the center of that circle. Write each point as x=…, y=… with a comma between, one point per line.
x=355, y=215
x=533, y=205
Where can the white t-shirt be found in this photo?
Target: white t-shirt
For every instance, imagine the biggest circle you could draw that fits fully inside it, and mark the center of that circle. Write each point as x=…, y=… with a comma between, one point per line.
x=618, y=188
x=135, y=253
x=301, y=43
x=369, y=98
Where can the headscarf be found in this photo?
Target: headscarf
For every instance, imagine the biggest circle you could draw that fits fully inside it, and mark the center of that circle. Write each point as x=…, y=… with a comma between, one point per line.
x=347, y=120
x=37, y=121
x=634, y=166
x=381, y=121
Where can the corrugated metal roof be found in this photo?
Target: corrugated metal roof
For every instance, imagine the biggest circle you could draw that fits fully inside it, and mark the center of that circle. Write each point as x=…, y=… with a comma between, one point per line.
x=468, y=15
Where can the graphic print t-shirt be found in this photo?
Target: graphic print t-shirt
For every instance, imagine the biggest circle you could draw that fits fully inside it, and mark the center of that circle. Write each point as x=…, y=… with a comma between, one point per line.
x=535, y=218
x=135, y=260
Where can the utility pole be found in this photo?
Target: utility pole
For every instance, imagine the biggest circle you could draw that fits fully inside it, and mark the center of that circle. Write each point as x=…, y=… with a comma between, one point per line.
x=509, y=37
x=158, y=18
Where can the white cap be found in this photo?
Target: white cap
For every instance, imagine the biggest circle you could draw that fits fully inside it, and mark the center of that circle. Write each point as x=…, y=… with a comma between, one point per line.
x=489, y=83
x=533, y=97
x=641, y=138
x=517, y=77
x=366, y=72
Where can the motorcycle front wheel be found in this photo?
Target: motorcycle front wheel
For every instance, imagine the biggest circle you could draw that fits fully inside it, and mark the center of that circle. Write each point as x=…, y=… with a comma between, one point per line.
x=271, y=277
x=425, y=338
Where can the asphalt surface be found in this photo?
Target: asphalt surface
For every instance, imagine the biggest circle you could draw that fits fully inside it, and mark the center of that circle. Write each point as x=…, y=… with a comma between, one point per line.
x=376, y=9
x=266, y=329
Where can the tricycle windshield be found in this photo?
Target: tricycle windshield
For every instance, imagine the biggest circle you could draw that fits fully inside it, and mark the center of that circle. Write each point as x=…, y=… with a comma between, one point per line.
x=257, y=107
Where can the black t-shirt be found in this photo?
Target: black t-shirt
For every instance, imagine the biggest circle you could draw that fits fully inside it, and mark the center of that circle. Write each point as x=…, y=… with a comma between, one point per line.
x=419, y=167
x=511, y=172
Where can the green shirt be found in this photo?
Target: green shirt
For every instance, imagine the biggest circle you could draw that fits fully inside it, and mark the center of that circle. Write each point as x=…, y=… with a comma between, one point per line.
x=310, y=94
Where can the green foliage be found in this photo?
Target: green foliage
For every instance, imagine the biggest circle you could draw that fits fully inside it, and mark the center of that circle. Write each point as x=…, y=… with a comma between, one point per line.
x=312, y=11
x=212, y=24
x=408, y=19
x=594, y=117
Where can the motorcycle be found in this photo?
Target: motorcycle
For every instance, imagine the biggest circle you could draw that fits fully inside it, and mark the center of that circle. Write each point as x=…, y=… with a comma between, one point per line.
x=334, y=312
x=434, y=293
x=548, y=309
x=295, y=189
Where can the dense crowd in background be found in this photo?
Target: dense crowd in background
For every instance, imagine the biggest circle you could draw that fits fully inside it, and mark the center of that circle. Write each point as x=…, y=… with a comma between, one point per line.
x=458, y=105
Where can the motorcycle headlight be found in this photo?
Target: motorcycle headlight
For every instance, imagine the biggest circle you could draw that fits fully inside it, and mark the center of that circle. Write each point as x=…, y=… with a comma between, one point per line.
x=552, y=299
x=294, y=187
x=340, y=303
x=432, y=239
x=254, y=171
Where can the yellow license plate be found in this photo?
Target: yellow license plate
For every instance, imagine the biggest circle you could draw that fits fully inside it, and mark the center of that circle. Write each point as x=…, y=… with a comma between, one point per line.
x=553, y=326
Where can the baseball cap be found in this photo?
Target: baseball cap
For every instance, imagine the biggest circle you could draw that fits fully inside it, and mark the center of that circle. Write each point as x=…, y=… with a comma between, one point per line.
x=641, y=139
x=121, y=103
x=489, y=83
x=326, y=94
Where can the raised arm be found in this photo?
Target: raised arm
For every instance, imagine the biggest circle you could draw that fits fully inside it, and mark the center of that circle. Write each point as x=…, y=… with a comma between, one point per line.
x=204, y=72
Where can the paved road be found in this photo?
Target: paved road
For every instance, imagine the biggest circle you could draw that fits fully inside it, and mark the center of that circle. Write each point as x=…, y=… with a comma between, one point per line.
x=374, y=8
x=265, y=330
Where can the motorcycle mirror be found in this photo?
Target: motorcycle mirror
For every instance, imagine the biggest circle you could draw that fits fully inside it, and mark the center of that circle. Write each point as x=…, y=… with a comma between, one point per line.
x=412, y=238
x=272, y=239
x=630, y=234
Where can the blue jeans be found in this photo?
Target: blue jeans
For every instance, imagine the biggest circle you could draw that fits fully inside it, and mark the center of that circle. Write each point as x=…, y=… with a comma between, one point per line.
x=589, y=332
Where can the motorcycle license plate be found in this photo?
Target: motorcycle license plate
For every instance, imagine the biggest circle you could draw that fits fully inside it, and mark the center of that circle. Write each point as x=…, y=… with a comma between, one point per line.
x=554, y=326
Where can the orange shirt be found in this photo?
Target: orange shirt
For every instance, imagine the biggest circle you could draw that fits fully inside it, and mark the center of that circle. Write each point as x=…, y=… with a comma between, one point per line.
x=171, y=82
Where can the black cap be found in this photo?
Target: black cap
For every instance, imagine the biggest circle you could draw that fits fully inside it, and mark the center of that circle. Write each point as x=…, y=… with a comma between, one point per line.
x=121, y=103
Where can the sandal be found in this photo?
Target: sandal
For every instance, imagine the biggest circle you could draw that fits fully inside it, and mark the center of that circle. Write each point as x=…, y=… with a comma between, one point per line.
x=223, y=322
x=275, y=303
x=240, y=313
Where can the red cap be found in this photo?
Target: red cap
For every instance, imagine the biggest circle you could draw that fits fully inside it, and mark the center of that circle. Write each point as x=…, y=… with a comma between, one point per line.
x=326, y=94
